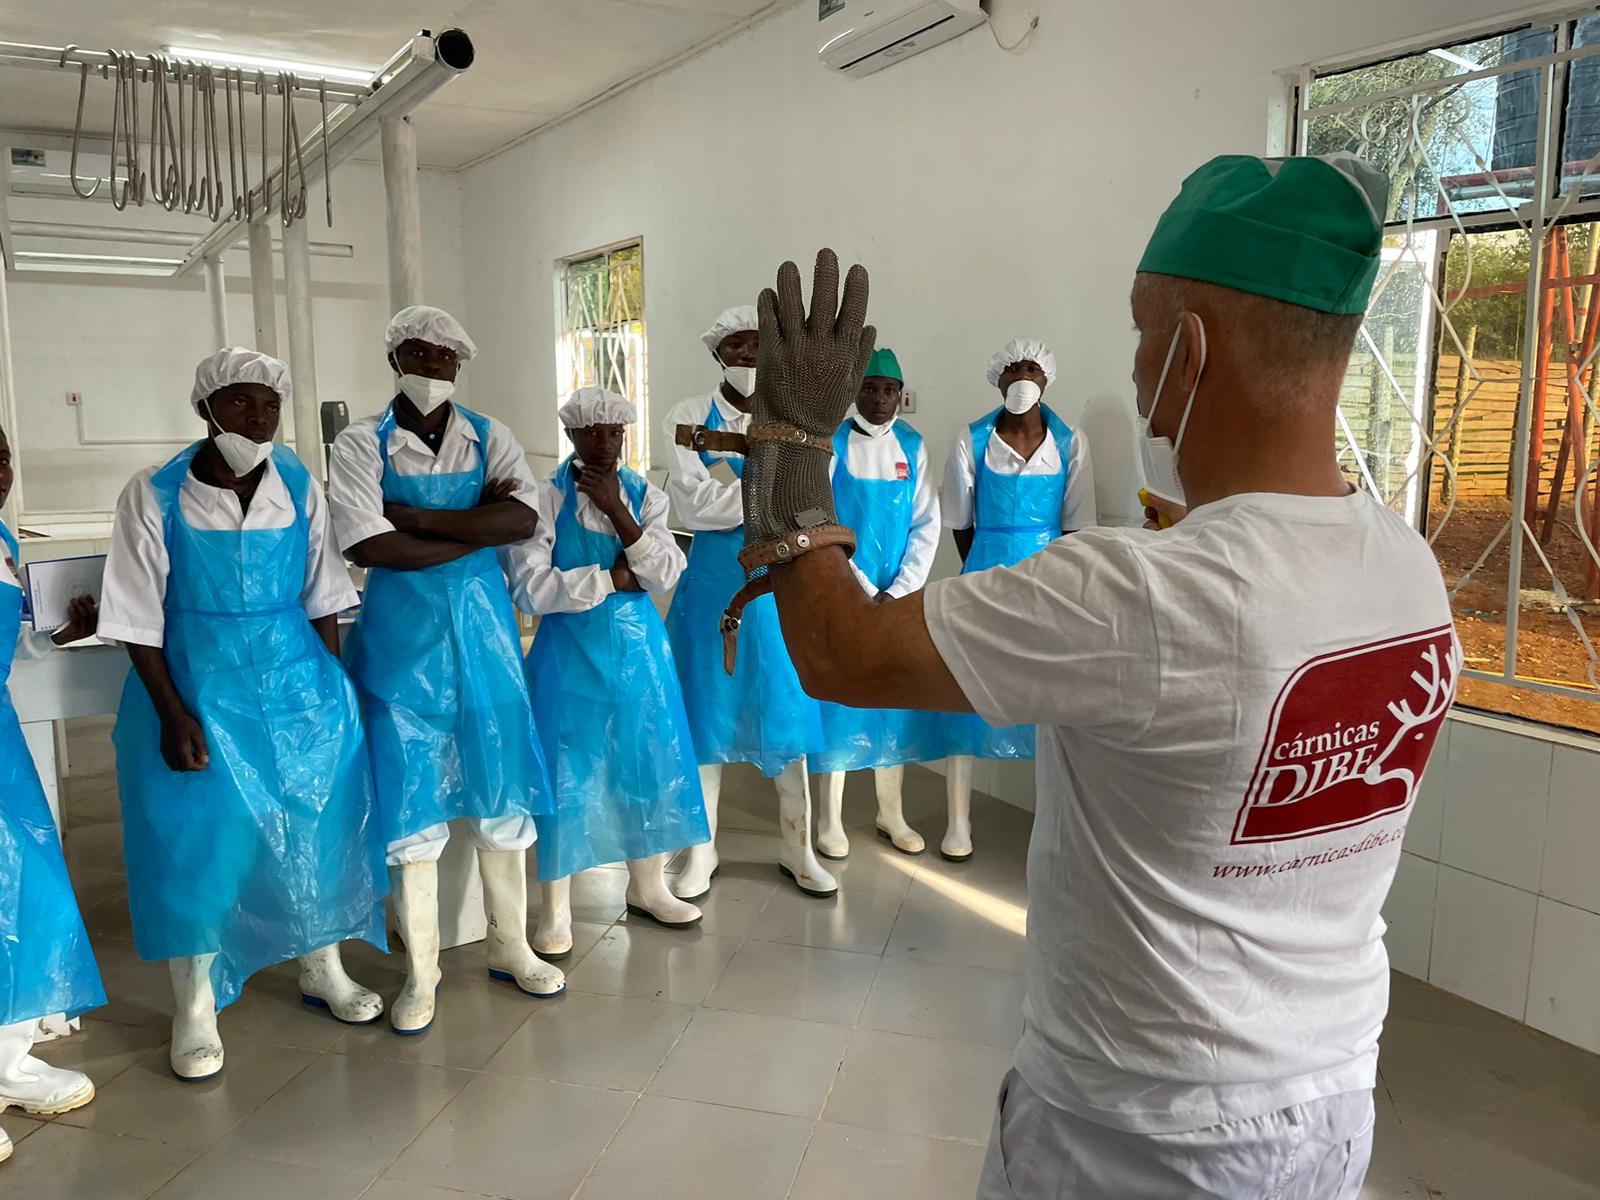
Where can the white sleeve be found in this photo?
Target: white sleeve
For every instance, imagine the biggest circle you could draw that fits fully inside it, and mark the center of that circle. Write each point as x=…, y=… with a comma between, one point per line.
x=537, y=586
x=655, y=557
x=31, y=644
x=1078, y=506
x=1086, y=655
x=924, y=540
x=503, y=458
x=355, y=487
x=955, y=498
x=327, y=588
x=134, y=590
x=701, y=501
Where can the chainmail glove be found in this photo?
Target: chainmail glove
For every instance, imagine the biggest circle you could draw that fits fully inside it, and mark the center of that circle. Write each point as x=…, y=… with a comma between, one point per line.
x=808, y=373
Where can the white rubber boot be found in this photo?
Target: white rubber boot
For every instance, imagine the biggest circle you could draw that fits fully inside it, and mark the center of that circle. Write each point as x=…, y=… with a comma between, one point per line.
x=831, y=840
x=324, y=984
x=32, y=1085
x=797, y=858
x=957, y=844
x=196, y=1044
x=5, y=1145
x=505, y=902
x=694, y=881
x=892, y=825
x=649, y=896
x=552, y=937
x=416, y=905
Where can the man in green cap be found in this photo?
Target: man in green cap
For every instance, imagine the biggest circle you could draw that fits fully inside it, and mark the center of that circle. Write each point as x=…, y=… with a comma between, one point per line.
x=883, y=489
x=1233, y=712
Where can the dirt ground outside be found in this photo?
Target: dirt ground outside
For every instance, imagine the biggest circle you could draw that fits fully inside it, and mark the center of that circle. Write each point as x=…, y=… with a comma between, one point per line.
x=1548, y=647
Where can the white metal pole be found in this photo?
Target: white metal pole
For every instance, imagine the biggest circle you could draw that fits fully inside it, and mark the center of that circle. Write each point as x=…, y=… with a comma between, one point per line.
x=217, y=293
x=263, y=288
x=404, y=211
x=8, y=404
x=302, y=346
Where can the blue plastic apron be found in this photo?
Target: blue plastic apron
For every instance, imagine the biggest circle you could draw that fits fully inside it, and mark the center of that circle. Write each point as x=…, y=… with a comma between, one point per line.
x=1014, y=517
x=46, y=965
x=609, y=709
x=272, y=851
x=437, y=659
x=880, y=512
x=759, y=714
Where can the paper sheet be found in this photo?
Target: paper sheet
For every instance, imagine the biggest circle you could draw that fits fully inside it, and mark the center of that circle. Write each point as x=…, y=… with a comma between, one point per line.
x=51, y=584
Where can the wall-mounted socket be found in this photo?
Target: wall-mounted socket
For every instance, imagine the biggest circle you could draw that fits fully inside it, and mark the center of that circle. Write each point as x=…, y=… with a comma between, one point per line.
x=74, y=399
x=908, y=401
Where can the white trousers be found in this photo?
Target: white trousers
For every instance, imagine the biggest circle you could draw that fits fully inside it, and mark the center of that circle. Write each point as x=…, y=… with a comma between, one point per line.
x=1314, y=1151
x=491, y=833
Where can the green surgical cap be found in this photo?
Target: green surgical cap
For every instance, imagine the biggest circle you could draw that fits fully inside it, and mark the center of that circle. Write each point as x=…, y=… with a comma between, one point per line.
x=884, y=365
x=1307, y=230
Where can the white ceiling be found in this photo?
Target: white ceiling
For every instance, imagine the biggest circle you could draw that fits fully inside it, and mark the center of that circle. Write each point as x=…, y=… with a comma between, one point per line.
x=536, y=59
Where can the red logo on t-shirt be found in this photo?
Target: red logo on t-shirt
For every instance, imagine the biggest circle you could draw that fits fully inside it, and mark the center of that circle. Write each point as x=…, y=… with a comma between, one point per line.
x=1349, y=736
x=902, y=471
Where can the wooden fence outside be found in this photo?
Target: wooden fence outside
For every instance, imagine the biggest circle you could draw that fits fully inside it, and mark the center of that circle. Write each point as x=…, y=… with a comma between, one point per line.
x=1483, y=442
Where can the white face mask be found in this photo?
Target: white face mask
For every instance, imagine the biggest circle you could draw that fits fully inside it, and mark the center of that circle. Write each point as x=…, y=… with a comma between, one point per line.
x=1159, y=455
x=240, y=453
x=427, y=394
x=875, y=431
x=741, y=379
x=1022, y=396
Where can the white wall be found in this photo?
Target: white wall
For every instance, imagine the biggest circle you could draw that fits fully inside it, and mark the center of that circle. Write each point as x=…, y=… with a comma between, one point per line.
x=129, y=345
x=1498, y=894
x=990, y=195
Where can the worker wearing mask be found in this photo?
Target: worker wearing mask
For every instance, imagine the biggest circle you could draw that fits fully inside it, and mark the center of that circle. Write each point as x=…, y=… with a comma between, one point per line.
x=1017, y=478
x=422, y=495
x=606, y=696
x=46, y=964
x=759, y=714
x=884, y=490
x=1234, y=713
x=249, y=826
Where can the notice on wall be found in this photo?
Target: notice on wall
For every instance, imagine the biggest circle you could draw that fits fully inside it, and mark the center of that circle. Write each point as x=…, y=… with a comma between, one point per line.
x=52, y=584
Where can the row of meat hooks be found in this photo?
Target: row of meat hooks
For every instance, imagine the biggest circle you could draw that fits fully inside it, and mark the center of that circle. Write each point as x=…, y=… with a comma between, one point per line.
x=184, y=144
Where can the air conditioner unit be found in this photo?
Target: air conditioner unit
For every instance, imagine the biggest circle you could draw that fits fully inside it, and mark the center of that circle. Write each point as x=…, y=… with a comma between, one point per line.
x=858, y=37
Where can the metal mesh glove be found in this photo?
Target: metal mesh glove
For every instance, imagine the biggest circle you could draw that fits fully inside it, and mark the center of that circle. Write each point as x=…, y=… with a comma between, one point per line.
x=808, y=373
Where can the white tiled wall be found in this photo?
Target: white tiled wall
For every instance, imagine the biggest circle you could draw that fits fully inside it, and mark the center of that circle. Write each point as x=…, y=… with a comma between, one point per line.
x=1498, y=893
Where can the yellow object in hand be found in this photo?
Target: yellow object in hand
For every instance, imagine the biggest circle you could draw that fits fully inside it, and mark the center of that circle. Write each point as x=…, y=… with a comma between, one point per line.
x=1161, y=518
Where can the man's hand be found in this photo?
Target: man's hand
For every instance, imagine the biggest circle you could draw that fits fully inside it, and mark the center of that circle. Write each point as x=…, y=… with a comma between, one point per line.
x=183, y=743
x=622, y=577
x=808, y=372
x=497, y=491
x=604, y=489
x=1159, y=513
x=83, y=618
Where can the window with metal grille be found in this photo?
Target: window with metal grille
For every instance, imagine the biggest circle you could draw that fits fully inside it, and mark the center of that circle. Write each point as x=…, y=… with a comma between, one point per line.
x=1470, y=403
x=602, y=338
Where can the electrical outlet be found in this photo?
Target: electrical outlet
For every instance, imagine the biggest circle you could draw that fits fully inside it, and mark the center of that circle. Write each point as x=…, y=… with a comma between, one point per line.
x=908, y=401
x=74, y=399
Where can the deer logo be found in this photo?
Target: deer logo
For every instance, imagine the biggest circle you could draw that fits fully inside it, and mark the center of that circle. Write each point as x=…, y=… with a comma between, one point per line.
x=1347, y=743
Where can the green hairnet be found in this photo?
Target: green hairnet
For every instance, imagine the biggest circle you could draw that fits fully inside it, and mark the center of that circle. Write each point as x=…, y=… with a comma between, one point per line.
x=884, y=365
x=1307, y=230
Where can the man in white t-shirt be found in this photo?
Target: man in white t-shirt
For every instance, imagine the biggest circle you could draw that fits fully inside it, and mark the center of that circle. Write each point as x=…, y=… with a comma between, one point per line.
x=1234, y=713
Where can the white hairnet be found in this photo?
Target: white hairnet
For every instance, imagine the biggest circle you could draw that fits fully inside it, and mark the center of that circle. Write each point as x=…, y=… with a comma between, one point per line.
x=1019, y=350
x=237, y=364
x=596, y=406
x=738, y=319
x=428, y=324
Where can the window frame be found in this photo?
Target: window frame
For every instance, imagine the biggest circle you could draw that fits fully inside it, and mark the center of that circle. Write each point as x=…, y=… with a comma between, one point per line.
x=638, y=450
x=1291, y=114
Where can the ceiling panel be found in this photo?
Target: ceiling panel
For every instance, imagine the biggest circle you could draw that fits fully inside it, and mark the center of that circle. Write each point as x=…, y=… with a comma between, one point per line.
x=536, y=59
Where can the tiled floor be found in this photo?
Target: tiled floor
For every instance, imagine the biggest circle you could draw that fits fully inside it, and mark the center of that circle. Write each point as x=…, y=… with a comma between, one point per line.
x=818, y=1050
